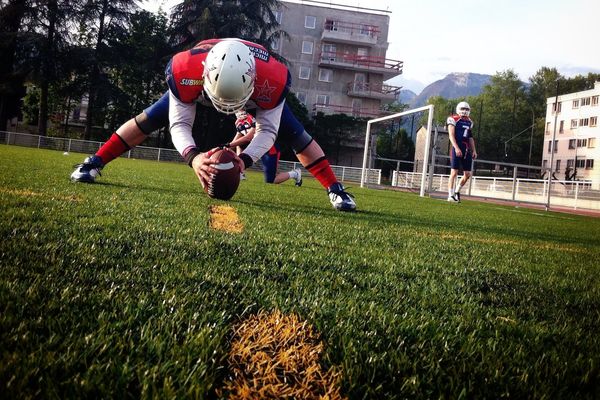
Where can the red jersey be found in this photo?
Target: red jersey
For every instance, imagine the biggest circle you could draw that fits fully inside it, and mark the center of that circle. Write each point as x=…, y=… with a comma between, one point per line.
x=243, y=125
x=184, y=75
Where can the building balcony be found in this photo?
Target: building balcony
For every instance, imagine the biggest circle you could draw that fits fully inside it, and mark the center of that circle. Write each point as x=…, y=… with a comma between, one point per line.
x=373, y=91
x=376, y=65
x=357, y=112
x=350, y=33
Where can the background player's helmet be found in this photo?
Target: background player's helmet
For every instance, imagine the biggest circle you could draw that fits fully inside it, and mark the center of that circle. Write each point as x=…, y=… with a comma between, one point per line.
x=463, y=109
x=241, y=114
x=229, y=74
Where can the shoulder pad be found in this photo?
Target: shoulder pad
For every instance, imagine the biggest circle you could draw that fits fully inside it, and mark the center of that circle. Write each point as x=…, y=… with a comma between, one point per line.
x=184, y=75
x=452, y=119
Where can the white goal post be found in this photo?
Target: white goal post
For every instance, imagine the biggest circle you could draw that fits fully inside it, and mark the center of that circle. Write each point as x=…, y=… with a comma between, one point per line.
x=428, y=108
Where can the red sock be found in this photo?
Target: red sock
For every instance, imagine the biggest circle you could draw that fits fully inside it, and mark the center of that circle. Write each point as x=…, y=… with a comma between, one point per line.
x=321, y=170
x=113, y=148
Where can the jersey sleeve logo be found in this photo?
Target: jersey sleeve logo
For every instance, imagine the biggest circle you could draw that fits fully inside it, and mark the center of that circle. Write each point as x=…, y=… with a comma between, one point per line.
x=259, y=53
x=264, y=92
x=191, y=82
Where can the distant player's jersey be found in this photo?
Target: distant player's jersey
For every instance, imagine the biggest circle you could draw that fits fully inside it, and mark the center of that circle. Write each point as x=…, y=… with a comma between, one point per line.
x=463, y=129
x=243, y=125
x=184, y=76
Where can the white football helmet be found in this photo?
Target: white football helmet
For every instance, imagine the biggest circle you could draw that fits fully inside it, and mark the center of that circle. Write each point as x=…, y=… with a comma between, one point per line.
x=241, y=114
x=463, y=109
x=229, y=74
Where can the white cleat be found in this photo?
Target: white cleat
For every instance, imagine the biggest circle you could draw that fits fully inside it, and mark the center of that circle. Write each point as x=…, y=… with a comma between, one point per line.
x=340, y=199
x=88, y=170
x=298, y=177
x=454, y=198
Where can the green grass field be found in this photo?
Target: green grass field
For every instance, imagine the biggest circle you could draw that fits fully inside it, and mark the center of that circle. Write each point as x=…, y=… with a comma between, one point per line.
x=121, y=290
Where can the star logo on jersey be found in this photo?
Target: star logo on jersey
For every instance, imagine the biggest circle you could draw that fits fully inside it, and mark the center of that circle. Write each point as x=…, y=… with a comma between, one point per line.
x=264, y=92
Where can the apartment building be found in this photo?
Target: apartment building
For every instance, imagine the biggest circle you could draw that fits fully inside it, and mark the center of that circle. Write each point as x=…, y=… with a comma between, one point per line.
x=577, y=141
x=337, y=57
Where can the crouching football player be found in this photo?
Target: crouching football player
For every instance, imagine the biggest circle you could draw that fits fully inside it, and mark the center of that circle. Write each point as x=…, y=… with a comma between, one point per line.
x=229, y=75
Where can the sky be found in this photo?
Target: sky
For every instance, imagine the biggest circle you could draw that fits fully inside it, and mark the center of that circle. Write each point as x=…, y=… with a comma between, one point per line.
x=434, y=37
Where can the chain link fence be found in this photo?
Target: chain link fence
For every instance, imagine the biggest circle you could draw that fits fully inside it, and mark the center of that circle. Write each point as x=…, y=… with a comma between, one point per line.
x=344, y=174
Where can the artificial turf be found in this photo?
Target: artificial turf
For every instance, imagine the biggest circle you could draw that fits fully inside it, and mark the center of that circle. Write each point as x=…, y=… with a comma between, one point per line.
x=121, y=289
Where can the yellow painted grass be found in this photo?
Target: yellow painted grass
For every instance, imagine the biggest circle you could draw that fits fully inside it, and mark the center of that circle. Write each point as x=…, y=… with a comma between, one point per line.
x=30, y=193
x=276, y=356
x=225, y=218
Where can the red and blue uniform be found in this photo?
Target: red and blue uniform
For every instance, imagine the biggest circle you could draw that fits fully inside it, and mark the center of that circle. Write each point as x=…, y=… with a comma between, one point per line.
x=184, y=76
x=270, y=160
x=463, y=127
x=185, y=70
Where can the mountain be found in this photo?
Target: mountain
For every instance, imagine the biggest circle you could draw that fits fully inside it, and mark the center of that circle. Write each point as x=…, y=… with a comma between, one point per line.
x=406, y=96
x=410, y=84
x=454, y=85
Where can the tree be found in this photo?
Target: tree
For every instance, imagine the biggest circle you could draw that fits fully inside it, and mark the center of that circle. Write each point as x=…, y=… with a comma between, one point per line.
x=194, y=20
x=103, y=19
x=48, y=60
x=442, y=109
x=138, y=79
x=331, y=131
x=12, y=71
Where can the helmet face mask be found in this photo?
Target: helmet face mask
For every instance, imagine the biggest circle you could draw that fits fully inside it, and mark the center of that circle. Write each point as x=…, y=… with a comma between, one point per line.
x=463, y=109
x=229, y=74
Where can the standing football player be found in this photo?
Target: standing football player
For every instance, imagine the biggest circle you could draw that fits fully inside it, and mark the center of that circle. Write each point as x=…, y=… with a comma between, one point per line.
x=245, y=125
x=229, y=75
x=463, y=150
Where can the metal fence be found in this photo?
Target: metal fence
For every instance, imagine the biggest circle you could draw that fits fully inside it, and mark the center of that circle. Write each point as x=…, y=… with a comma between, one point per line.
x=344, y=174
x=572, y=194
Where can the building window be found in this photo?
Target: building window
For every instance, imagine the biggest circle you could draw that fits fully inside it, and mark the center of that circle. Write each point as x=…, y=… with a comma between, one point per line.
x=557, y=166
x=589, y=164
x=362, y=55
x=323, y=99
x=573, y=123
x=586, y=101
x=301, y=96
x=310, y=22
x=591, y=143
x=278, y=16
x=550, y=146
x=547, y=128
x=561, y=128
x=580, y=163
x=584, y=122
x=572, y=143
x=304, y=73
x=576, y=103
x=325, y=75
x=595, y=100
x=545, y=164
x=554, y=106
x=570, y=164
x=307, y=47
x=581, y=142
x=328, y=52
x=593, y=121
